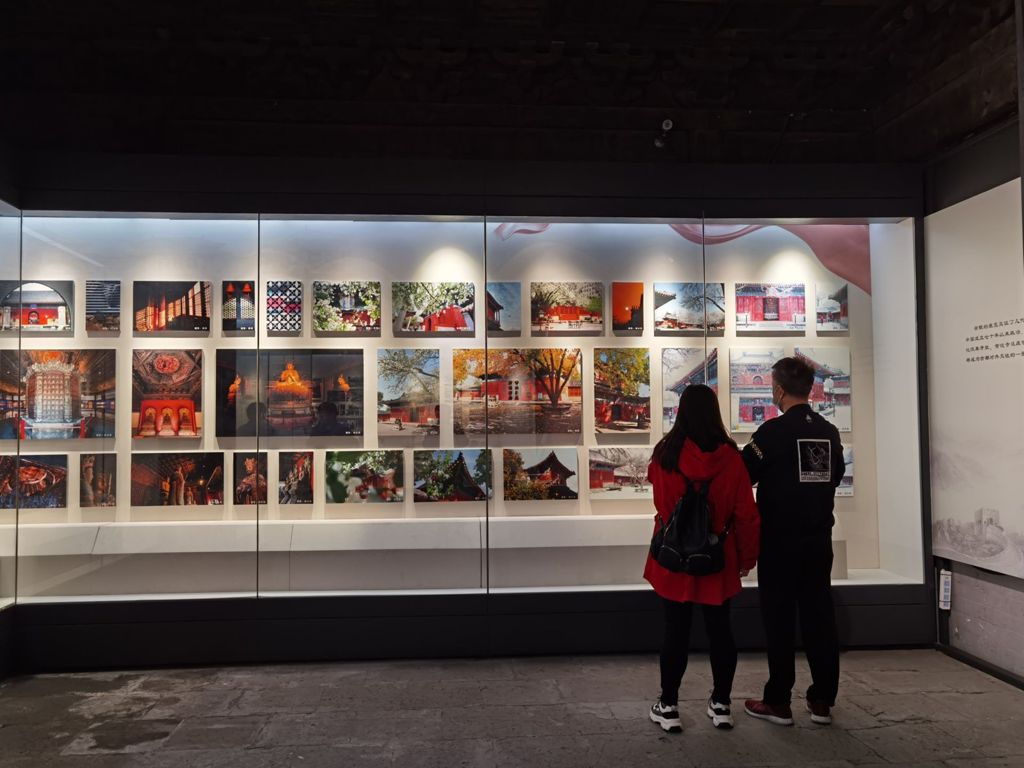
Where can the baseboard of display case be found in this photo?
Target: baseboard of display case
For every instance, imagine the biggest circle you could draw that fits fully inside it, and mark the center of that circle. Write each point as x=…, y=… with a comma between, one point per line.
x=6, y=640
x=55, y=636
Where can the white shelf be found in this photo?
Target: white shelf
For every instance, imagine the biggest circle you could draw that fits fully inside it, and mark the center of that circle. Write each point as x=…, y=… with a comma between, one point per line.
x=570, y=531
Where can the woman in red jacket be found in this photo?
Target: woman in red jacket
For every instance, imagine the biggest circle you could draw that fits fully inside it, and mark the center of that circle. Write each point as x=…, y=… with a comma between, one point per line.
x=699, y=448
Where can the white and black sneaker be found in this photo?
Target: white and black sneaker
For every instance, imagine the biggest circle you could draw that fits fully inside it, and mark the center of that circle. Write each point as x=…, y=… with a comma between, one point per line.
x=720, y=714
x=667, y=716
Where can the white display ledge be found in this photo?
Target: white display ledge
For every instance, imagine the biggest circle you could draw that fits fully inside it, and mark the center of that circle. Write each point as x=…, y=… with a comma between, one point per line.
x=570, y=531
x=47, y=540
x=69, y=539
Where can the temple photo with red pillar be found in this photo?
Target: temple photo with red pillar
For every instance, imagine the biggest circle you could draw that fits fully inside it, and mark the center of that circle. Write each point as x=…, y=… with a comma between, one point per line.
x=408, y=392
x=771, y=307
x=517, y=391
x=504, y=309
x=619, y=474
x=682, y=367
x=566, y=308
x=831, y=395
x=167, y=306
x=177, y=479
x=622, y=389
x=750, y=386
x=832, y=301
x=536, y=474
x=167, y=393
x=433, y=308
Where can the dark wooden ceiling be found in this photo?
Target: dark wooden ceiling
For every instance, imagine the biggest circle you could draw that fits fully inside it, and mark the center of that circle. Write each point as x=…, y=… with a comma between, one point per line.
x=742, y=81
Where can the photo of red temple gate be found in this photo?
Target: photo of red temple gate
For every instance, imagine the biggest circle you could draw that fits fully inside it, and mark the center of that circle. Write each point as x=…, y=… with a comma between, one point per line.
x=770, y=307
x=408, y=392
x=517, y=391
x=619, y=474
x=750, y=386
x=831, y=395
x=832, y=299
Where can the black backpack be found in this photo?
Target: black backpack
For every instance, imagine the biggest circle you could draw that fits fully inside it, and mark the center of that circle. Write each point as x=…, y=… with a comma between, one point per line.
x=686, y=544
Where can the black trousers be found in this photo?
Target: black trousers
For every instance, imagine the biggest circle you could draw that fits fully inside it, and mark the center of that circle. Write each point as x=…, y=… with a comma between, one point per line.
x=675, y=649
x=791, y=579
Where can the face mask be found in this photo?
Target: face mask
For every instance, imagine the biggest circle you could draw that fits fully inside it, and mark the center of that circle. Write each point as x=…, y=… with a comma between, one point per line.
x=777, y=397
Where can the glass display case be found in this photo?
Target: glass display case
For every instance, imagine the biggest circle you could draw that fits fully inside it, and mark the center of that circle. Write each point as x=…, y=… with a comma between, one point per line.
x=10, y=272
x=307, y=405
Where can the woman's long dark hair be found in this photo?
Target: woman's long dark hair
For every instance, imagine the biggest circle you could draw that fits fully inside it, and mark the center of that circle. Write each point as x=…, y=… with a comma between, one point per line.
x=700, y=420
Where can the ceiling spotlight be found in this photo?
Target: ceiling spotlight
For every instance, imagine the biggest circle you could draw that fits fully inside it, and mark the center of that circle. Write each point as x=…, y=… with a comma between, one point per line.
x=661, y=140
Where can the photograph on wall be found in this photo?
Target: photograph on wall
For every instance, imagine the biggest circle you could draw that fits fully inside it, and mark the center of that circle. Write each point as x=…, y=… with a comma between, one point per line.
x=171, y=306
x=53, y=394
x=284, y=307
x=627, y=306
x=34, y=482
x=833, y=307
x=98, y=481
x=352, y=307
x=831, y=394
x=250, y=477
x=177, y=479
x=295, y=477
x=103, y=305
x=425, y=308
x=620, y=474
x=463, y=475
x=689, y=309
x=298, y=392
x=770, y=307
x=517, y=391
x=408, y=392
x=504, y=309
x=622, y=389
x=167, y=393
x=540, y=474
x=681, y=367
x=238, y=306
x=846, y=486
x=365, y=477
x=567, y=309
x=37, y=305
x=750, y=386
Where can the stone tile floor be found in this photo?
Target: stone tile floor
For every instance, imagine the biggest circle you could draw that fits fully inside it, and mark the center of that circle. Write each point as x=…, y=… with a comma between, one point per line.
x=905, y=708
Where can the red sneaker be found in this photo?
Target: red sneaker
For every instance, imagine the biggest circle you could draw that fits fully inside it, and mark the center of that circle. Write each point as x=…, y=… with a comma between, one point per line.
x=780, y=715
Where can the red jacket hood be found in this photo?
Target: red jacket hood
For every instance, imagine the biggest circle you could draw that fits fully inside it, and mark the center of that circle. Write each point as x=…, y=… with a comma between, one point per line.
x=698, y=465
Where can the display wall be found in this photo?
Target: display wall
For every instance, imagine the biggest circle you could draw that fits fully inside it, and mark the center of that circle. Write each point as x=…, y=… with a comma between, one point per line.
x=309, y=405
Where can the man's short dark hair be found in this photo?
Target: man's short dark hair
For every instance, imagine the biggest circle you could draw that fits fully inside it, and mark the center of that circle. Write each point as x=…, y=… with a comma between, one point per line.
x=794, y=376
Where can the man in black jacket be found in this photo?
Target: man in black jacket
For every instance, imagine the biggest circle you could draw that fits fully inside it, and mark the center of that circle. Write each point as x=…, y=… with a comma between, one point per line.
x=796, y=461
